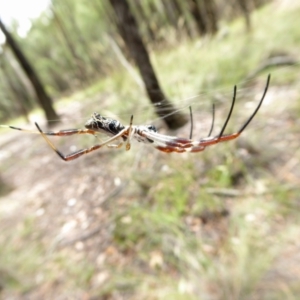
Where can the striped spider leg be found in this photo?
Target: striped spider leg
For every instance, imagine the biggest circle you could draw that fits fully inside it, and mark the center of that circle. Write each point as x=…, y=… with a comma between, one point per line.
x=174, y=144
x=94, y=125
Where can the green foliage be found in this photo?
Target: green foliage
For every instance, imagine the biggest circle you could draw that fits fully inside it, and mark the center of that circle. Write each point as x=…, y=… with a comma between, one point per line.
x=69, y=44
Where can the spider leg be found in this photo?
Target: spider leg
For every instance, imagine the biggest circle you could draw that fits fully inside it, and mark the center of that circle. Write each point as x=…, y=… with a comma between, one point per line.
x=78, y=153
x=229, y=115
x=228, y=137
x=119, y=145
x=180, y=149
x=169, y=149
x=237, y=134
x=219, y=138
x=213, y=121
x=258, y=107
x=179, y=145
x=129, y=134
x=65, y=132
x=116, y=146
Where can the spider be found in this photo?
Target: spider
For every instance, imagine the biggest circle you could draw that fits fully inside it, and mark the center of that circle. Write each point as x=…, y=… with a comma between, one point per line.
x=143, y=133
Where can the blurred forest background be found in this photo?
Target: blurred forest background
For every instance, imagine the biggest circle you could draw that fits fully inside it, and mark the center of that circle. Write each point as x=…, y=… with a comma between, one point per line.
x=140, y=224
x=73, y=43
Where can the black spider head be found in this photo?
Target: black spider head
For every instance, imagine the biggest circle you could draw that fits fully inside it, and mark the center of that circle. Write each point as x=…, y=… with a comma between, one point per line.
x=104, y=125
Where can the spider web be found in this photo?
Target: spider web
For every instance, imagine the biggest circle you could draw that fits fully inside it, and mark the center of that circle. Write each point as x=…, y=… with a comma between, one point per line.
x=112, y=104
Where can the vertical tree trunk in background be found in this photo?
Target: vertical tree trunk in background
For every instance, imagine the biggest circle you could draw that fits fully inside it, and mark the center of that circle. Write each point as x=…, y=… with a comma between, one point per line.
x=199, y=18
x=212, y=15
x=140, y=11
x=43, y=98
x=72, y=48
x=16, y=92
x=171, y=13
x=17, y=79
x=130, y=34
x=87, y=60
x=244, y=5
x=176, y=9
x=178, y=13
x=258, y=3
x=184, y=9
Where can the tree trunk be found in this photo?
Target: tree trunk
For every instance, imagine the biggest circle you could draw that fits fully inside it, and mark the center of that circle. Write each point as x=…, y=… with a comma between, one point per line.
x=130, y=34
x=43, y=98
x=211, y=12
x=199, y=18
x=80, y=40
x=171, y=13
x=176, y=9
x=186, y=22
x=179, y=15
x=80, y=71
x=16, y=92
x=143, y=18
x=246, y=12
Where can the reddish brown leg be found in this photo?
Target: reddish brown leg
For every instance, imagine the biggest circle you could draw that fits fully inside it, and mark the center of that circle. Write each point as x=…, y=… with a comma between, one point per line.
x=81, y=152
x=65, y=132
x=223, y=138
x=184, y=145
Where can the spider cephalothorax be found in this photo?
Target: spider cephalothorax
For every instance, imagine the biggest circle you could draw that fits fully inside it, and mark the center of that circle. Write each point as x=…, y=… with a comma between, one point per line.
x=144, y=133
